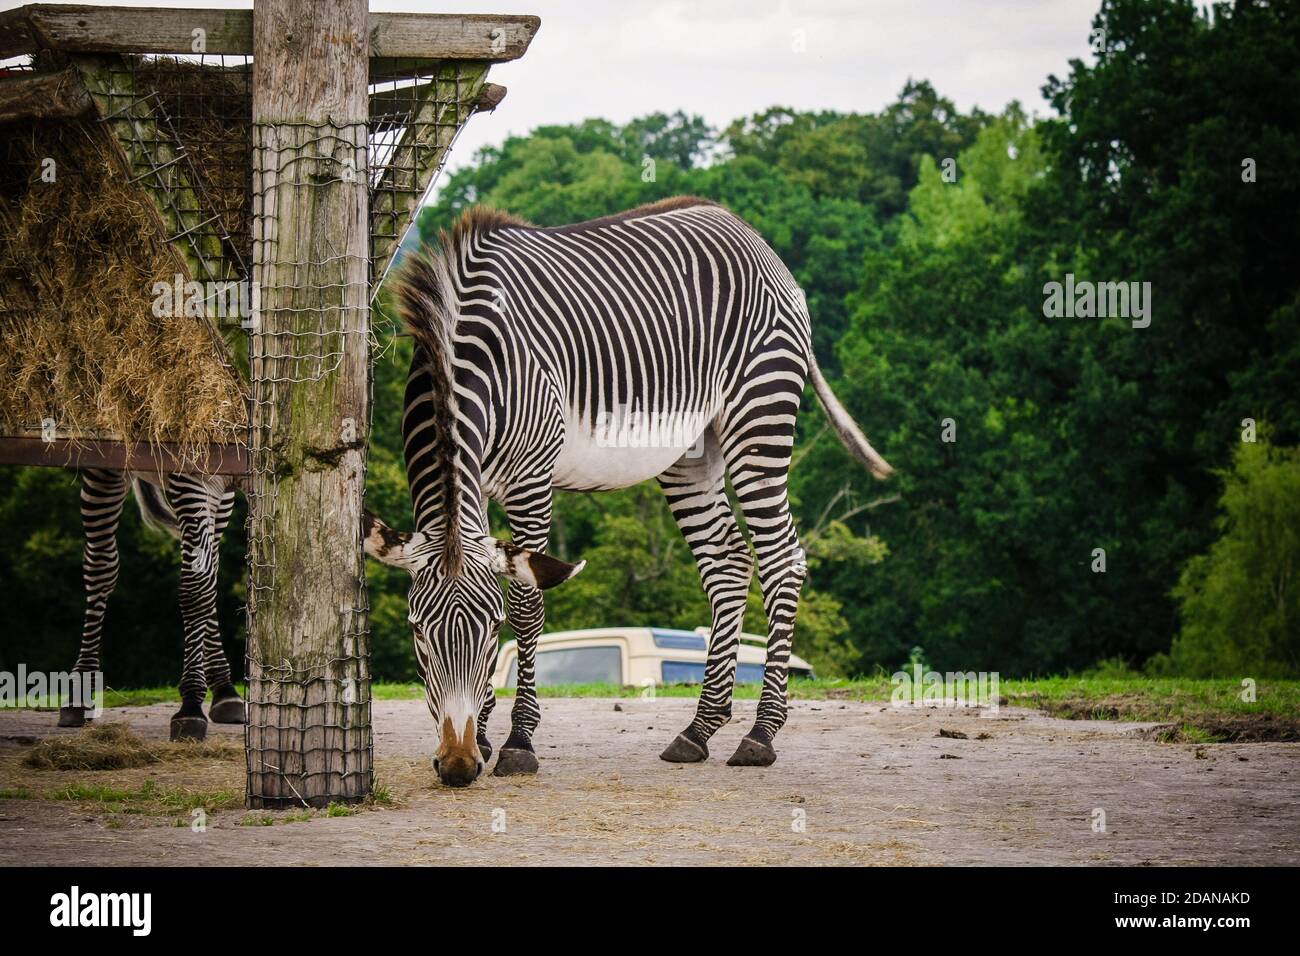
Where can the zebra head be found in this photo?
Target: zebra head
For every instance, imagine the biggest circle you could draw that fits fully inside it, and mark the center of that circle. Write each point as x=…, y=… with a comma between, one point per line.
x=456, y=612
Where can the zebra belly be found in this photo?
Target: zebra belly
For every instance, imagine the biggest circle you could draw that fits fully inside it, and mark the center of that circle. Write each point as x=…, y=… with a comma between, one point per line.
x=605, y=458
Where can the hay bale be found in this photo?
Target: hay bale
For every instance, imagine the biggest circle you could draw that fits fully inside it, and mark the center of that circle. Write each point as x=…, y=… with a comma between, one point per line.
x=79, y=342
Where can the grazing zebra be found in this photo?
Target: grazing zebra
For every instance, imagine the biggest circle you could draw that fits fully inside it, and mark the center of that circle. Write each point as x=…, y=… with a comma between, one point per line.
x=194, y=509
x=535, y=347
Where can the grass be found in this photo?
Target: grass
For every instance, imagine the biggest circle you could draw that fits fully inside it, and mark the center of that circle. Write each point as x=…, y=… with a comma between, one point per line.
x=148, y=799
x=1203, y=710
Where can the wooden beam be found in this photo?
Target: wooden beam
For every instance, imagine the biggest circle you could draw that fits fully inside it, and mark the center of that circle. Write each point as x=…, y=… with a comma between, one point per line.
x=491, y=37
x=88, y=29
x=39, y=96
x=309, y=738
x=489, y=98
x=161, y=457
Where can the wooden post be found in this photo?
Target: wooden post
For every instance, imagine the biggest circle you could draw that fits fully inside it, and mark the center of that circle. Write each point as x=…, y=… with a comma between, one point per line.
x=309, y=739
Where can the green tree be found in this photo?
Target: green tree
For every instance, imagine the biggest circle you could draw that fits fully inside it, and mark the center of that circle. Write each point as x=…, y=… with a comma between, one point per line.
x=1240, y=601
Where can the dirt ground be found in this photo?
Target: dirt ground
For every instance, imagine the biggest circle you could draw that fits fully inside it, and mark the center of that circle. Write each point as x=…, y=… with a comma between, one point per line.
x=854, y=784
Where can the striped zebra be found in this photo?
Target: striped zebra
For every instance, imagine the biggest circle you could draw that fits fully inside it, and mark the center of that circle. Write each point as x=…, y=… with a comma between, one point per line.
x=194, y=509
x=535, y=349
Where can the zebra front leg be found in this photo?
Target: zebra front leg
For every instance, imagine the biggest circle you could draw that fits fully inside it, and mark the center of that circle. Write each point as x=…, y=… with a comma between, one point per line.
x=528, y=510
x=489, y=704
x=697, y=496
x=102, y=496
x=190, y=500
x=525, y=609
x=227, y=706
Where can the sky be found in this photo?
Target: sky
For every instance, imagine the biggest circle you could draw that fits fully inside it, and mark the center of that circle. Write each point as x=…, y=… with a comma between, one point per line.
x=723, y=59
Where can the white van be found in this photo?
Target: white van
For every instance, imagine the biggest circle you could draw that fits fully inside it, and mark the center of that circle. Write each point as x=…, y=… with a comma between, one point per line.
x=634, y=657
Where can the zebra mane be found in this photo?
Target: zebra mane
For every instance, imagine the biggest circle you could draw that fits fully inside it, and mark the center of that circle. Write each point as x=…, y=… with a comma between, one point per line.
x=426, y=301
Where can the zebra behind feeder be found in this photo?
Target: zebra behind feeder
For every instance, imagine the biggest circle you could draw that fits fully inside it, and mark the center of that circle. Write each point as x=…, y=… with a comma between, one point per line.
x=195, y=510
x=530, y=344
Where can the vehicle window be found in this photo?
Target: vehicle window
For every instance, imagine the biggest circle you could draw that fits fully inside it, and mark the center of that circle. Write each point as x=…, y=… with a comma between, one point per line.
x=575, y=665
x=683, y=672
x=749, y=673
x=690, y=672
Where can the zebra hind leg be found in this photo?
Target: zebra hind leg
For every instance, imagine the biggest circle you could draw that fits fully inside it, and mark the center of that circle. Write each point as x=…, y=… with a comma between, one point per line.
x=102, y=496
x=697, y=496
x=227, y=706
x=758, y=461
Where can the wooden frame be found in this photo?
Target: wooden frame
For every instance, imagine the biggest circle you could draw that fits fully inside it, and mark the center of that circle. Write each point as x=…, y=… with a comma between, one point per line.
x=163, y=457
x=86, y=29
x=40, y=96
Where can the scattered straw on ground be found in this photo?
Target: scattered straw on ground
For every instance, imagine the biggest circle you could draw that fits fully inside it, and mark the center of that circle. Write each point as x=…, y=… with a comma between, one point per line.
x=113, y=747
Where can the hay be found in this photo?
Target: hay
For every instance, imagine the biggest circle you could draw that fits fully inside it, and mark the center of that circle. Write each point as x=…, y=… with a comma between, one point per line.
x=102, y=747
x=113, y=746
x=79, y=342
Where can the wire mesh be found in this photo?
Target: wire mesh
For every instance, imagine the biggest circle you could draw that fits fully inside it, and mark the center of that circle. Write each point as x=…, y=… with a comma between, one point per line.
x=185, y=122
x=309, y=711
x=417, y=109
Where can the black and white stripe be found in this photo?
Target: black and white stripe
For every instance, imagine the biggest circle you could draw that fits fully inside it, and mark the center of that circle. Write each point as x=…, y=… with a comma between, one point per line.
x=194, y=509
x=528, y=340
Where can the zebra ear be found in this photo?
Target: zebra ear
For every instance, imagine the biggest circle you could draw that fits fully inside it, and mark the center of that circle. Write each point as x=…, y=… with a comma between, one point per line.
x=401, y=549
x=532, y=568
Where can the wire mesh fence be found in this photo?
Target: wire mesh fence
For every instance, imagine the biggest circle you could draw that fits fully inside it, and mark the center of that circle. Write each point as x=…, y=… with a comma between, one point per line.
x=309, y=707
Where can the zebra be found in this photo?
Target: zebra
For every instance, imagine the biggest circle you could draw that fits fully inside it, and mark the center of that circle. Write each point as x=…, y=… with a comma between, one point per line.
x=528, y=340
x=194, y=509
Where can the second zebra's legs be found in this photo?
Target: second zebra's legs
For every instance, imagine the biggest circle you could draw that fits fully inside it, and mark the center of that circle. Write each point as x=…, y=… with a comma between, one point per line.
x=192, y=500
x=102, y=495
x=227, y=706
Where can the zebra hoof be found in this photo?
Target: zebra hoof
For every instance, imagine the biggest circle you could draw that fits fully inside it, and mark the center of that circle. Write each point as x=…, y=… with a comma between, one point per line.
x=72, y=716
x=513, y=761
x=485, y=747
x=752, y=753
x=231, y=710
x=685, y=750
x=189, y=728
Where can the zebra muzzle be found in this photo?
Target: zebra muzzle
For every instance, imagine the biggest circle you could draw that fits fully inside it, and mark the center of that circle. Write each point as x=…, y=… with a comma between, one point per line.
x=459, y=761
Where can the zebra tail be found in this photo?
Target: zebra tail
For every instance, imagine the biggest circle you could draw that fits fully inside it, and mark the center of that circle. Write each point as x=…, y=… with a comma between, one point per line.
x=427, y=303
x=848, y=430
x=154, y=508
